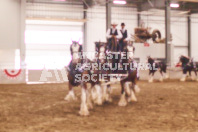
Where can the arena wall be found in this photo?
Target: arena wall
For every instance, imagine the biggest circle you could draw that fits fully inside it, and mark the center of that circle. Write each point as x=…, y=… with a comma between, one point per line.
x=13, y=50
x=194, y=32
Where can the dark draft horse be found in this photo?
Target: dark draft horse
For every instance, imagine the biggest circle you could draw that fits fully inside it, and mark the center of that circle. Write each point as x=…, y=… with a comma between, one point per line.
x=102, y=59
x=76, y=53
x=188, y=65
x=129, y=83
x=92, y=73
x=154, y=66
x=113, y=48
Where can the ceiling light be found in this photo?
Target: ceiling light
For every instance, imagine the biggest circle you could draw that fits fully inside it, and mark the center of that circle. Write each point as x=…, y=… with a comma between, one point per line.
x=121, y=2
x=59, y=0
x=174, y=5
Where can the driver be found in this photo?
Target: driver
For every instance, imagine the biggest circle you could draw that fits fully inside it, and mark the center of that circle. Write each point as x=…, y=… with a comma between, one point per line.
x=125, y=37
x=113, y=32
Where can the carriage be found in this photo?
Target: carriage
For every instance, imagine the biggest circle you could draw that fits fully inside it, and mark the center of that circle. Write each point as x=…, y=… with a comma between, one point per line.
x=95, y=73
x=100, y=90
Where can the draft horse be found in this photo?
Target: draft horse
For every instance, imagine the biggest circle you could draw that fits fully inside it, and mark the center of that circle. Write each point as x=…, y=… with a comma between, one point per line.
x=93, y=73
x=188, y=65
x=72, y=70
x=154, y=66
x=102, y=59
x=129, y=83
x=113, y=48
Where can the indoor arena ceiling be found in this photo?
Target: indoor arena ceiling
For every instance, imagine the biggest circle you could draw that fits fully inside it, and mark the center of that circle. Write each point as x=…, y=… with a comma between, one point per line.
x=185, y=5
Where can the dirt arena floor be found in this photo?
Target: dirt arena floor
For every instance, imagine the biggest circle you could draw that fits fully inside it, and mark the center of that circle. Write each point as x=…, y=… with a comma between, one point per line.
x=168, y=106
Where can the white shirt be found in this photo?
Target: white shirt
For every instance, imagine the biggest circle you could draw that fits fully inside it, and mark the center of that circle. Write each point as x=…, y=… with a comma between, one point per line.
x=108, y=35
x=128, y=34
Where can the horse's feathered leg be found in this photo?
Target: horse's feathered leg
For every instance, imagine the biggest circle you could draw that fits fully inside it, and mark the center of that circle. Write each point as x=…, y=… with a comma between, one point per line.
x=161, y=73
x=184, y=75
x=70, y=96
x=93, y=92
x=107, y=93
x=99, y=94
x=196, y=74
x=83, y=108
x=165, y=71
x=89, y=102
x=134, y=89
x=151, y=74
x=192, y=78
x=123, y=101
x=104, y=93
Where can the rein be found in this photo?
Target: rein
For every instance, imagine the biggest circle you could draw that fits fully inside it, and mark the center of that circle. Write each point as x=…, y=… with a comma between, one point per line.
x=114, y=44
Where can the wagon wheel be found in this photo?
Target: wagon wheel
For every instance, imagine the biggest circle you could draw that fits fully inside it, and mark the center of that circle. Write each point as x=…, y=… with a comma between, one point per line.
x=156, y=36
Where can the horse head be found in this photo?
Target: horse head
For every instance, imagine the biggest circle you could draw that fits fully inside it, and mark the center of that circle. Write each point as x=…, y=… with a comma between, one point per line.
x=101, y=49
x=150, y=60
x=130, y=51
x=184, y=60
x=75, y=48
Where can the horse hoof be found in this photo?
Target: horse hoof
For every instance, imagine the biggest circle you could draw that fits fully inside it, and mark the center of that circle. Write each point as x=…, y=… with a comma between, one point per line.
x=110, y=100
x=127, y=87
x=150, y=81
x=94, y=96
x=137, y=89
x=104, y=97
x=122, y=104
x=70, y=98
x=192, y=78
x=99, y=102
x=84, y=113
x=167, y=77
x=134, y=99
x=66, y=99
x=90, y=106
x=182, y=80
x=129, y=99
x=107, y=98
x=122, y=101
x=161, y=80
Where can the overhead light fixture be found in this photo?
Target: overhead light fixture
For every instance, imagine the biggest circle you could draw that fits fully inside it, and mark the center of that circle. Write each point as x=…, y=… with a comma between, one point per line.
x=59, y=0
x=174, y=5
x=121, y=2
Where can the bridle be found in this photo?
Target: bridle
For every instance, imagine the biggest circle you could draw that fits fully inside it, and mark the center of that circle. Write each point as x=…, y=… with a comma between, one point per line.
x=101, y=53
x=75, y=50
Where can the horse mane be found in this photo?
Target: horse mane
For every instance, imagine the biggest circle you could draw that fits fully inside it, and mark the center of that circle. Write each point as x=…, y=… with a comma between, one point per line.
x=99, y=44
x=185, y=57
x=151, y=60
